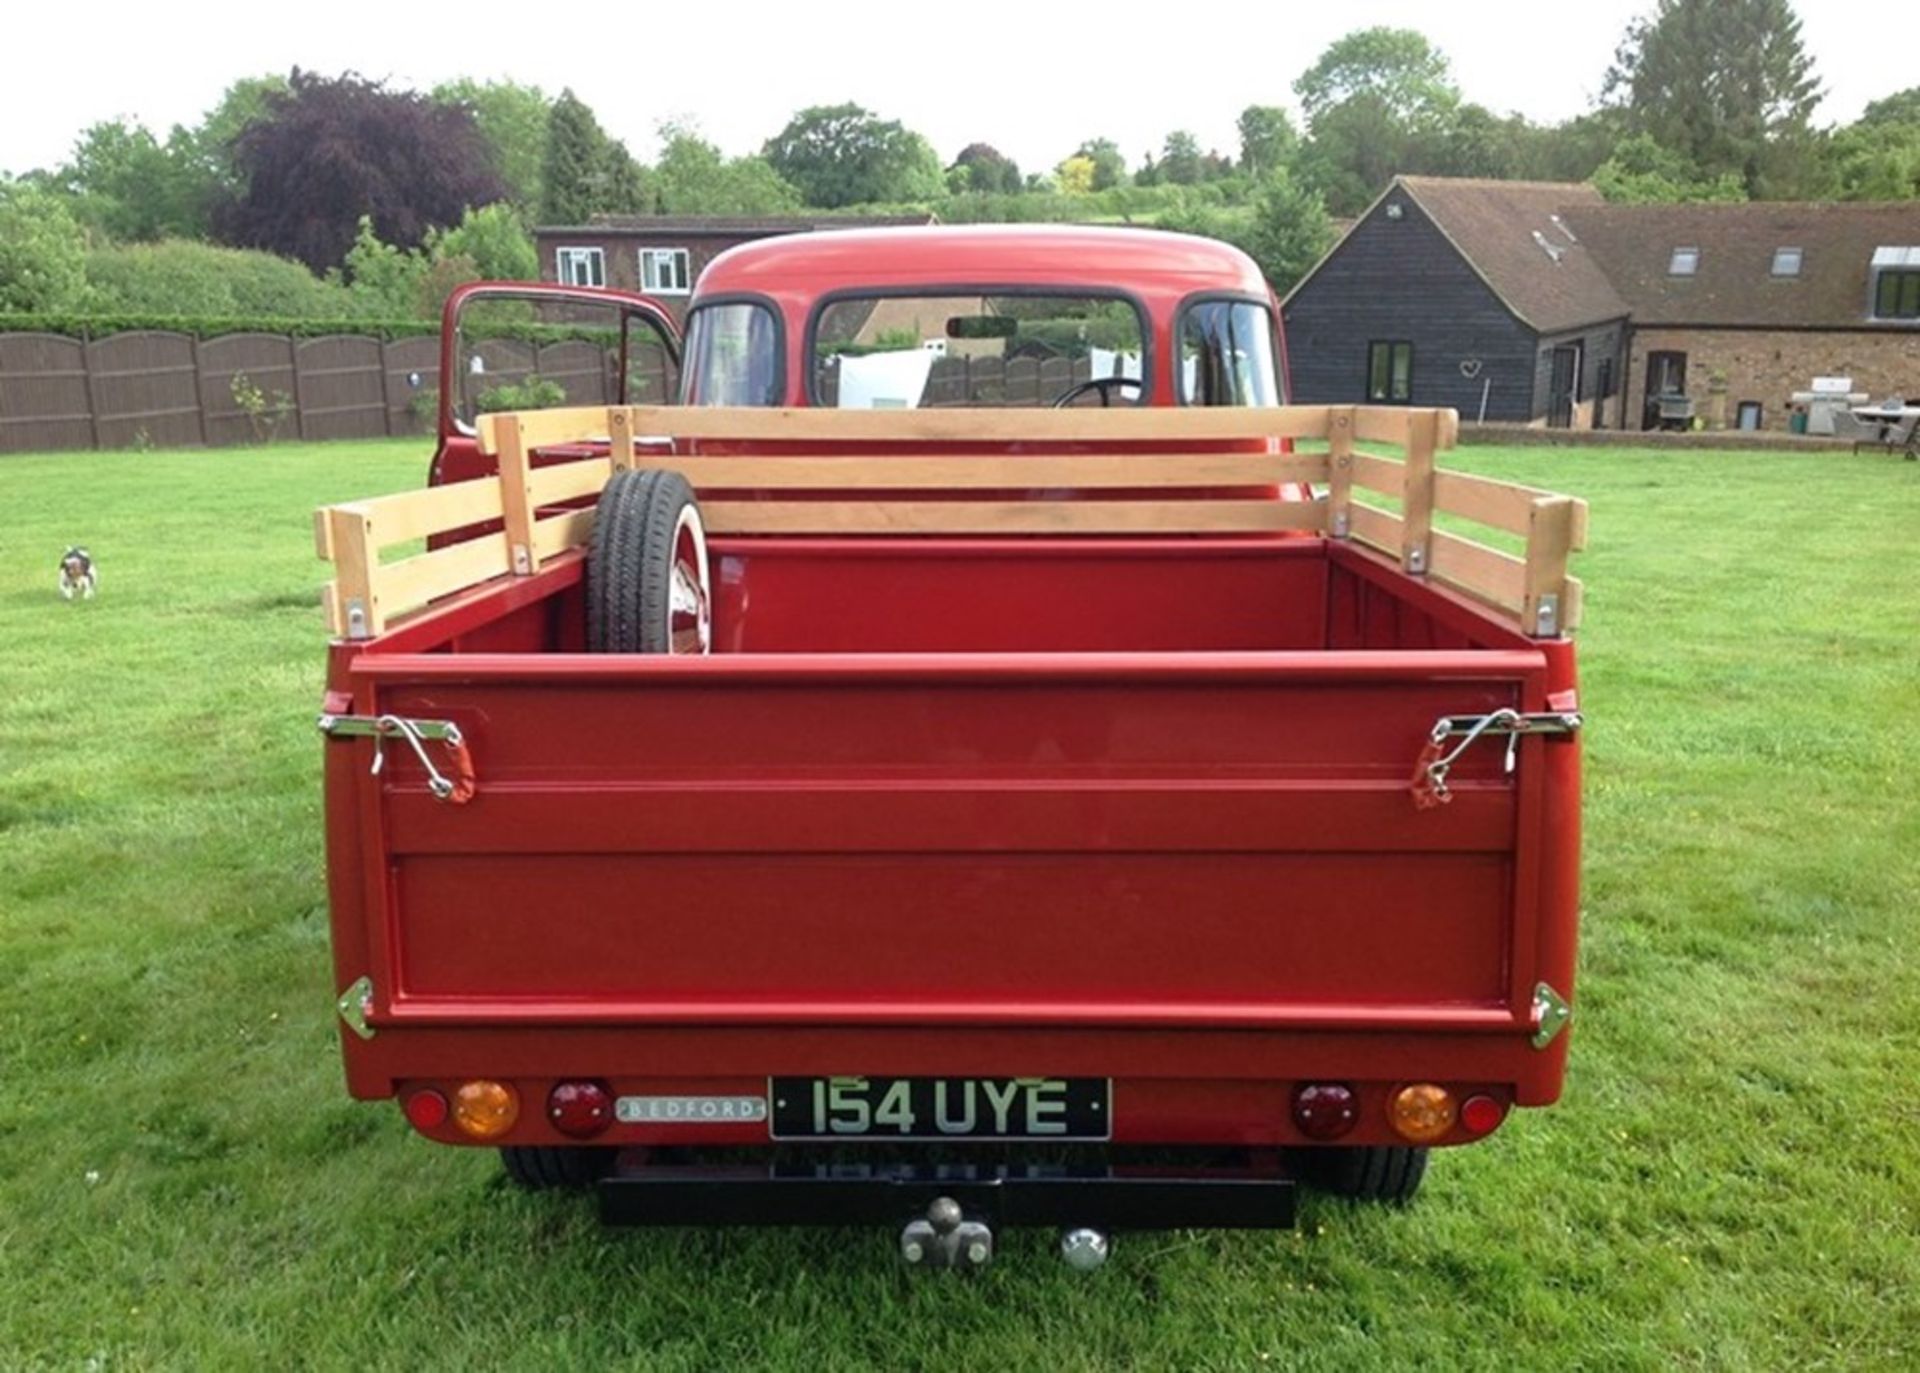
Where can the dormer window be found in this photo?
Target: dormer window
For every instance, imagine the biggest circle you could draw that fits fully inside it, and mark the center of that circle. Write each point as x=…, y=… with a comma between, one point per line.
x=1896, y=282
x=1786, y=262
x=1685, y=262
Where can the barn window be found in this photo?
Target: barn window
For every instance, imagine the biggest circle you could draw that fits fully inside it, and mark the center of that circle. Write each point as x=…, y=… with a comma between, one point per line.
x=1390, y=371
x=664, y=271
x=580, y=266
x=1786, y=262
x=1684, y=262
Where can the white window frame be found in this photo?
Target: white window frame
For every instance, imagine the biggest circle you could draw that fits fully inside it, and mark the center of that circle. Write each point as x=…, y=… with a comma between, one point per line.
x=566, y=258
x=1690, y=257
x=1797, y=256
x=678, y=276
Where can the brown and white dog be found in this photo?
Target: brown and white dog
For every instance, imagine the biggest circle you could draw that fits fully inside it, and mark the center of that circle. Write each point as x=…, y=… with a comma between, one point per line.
x=78, y=576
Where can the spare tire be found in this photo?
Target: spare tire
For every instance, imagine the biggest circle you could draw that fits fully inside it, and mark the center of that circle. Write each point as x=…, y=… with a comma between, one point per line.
x=539, y=1166
x=647, y=589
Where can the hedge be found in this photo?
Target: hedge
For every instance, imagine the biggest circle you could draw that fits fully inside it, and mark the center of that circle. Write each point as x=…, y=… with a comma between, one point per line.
x=99, y=326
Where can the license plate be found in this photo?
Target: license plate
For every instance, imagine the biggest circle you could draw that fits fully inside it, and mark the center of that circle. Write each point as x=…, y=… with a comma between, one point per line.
x=936, y=1108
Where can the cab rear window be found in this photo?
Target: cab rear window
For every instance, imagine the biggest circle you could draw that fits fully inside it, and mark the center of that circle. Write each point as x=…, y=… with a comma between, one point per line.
x=970, y=350
x=732, y=355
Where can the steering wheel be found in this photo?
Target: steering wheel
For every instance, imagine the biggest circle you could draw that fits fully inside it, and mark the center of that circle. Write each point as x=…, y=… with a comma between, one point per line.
x=1104, y=385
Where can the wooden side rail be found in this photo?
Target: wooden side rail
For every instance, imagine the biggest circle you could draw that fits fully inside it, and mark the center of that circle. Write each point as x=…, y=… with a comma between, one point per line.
x=863, y=464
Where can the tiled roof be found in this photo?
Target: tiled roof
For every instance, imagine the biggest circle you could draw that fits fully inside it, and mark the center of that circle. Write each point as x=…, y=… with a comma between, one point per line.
x=1521, y=238
x=1734, y=283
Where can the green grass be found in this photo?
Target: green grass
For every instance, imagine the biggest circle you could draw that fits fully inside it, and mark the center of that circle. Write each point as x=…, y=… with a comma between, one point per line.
x=1731, y=1181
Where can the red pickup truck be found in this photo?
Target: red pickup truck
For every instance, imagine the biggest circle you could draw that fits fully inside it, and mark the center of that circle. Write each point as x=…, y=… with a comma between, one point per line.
x=960, y=753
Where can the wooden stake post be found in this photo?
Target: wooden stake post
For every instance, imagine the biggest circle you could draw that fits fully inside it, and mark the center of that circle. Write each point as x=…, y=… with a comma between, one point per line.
x=875, y=468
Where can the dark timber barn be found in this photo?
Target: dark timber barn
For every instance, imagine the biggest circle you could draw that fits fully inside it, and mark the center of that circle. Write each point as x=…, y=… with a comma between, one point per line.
x=1473, y=294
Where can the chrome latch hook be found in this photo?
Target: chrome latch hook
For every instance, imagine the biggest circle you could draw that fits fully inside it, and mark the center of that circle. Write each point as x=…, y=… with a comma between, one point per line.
x=437, y=782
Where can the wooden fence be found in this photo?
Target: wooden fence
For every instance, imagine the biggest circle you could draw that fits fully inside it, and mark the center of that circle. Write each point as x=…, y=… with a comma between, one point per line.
x=150, y=388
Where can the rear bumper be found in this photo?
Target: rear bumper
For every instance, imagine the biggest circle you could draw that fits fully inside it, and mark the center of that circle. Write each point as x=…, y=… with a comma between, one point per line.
x=1107, y=1199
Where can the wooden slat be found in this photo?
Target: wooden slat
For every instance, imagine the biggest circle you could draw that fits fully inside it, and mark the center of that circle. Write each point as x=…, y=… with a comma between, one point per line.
x=558, y=533
x=1388, y=476
x=1010, y=517
x=1131, y=423
x=1549, y=543
x=357, y=571
x=1340, y=470
x=1378, y=529
x=433, y=510
x=1498, y=504
x=899, y=472
x=1485, y=572
x=1416, y=495
x=620, y=437
x=411, y=583
x=1380, y=424
x=546, y=428
x=566, y=481
x=516, y=492
x=1390, y=424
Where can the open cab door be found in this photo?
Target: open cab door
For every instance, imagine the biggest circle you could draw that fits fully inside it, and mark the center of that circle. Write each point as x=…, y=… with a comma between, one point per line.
x=530, y=346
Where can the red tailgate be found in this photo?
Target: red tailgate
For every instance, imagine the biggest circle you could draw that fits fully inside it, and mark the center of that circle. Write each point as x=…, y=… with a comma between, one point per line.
x=1206, y=839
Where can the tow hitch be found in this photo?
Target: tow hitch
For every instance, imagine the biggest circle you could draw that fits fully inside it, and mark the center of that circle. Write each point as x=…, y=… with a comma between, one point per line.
x=958, y=1210
x=945, y=1238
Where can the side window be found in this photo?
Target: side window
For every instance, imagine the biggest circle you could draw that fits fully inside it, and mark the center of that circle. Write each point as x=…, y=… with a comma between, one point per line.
x=733, y=355
x=515, y=351
x=665, y=271
x=580, y=266
x=1390, y=371
x=653, y=376
x=1227, y=355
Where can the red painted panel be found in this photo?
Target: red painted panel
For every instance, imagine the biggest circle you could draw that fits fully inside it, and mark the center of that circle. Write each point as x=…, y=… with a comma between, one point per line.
x=939, y=928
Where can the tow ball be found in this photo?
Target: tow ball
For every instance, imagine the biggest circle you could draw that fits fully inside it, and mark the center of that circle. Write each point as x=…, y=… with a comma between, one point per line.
x=945, y=1238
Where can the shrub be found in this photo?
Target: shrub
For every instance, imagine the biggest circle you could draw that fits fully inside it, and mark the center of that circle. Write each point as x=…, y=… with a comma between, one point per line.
x=535, y=393
x=42, y=258
x=179, y=277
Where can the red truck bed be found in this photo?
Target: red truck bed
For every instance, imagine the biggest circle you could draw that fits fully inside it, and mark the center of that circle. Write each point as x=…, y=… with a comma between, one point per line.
x=1137, y=809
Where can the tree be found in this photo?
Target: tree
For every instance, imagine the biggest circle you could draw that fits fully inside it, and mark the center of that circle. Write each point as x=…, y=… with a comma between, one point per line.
x=1290, y=231
x=242, y=104
x=1267, y=139
x=694, y=178
x=1074, y=176
x=1378, y=102
x=840, y=155
x=1180, y=160
x=42, y=254
x=586, y=172
x=1397, y=70
x=328, y=151
x=493, y=240
x=1643, y=171
x=1727, y=84
x=1903, y=107
x=133, y=187
x=513, y=120
x=1109, y=167
x=1878, y=160
x=988, y=170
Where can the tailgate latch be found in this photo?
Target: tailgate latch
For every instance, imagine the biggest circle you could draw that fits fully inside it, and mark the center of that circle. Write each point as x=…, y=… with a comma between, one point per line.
x=458, y=788
x=1437, y=758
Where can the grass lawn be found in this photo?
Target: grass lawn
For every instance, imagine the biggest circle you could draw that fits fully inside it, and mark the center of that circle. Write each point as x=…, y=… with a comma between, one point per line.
x=1733, y=1180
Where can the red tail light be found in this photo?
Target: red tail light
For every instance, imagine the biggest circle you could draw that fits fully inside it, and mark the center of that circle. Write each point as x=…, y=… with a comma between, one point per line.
x=1481, y=1115
x=1325, y=1110
x=426, y=1110
x=580, y=1109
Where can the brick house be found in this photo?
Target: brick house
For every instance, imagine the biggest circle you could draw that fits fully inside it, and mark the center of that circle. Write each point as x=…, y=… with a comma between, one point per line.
x=1740, y=306
x=663, y=255
x=1444, y=282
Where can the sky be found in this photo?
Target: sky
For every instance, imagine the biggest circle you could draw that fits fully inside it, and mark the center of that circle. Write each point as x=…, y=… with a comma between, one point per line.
x=1034, y=79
